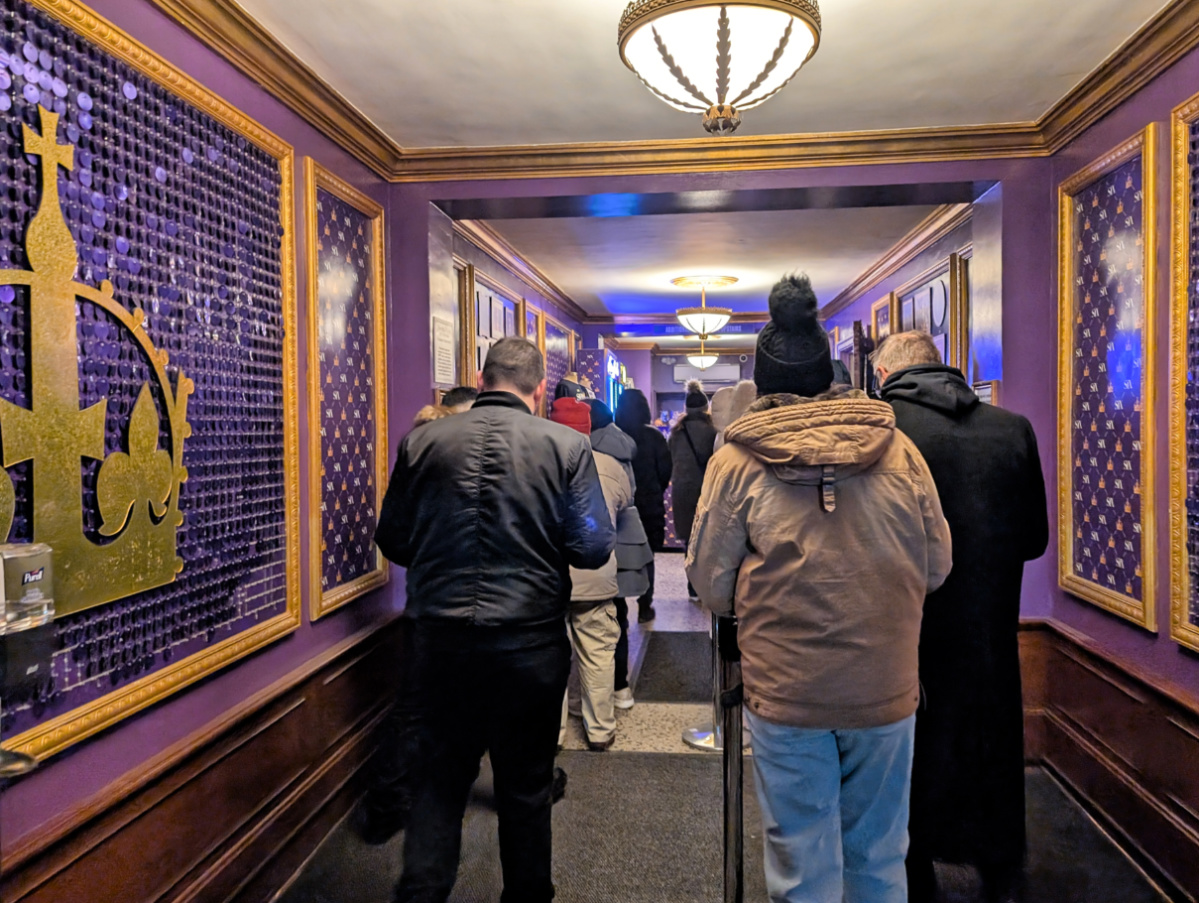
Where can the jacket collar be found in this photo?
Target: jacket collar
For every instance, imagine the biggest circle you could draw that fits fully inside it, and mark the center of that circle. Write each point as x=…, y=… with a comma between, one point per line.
x=501, y=400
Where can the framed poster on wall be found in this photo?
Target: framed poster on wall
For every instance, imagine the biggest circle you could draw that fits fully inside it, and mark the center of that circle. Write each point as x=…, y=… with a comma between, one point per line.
x=881, y=316
x=347, y=389
x=559, y=349
x=1184, y=377
x=167, y=472
x=1106, y=345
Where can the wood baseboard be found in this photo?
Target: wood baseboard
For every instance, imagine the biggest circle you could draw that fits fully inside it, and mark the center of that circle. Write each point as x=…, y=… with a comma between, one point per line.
x=236, y=811
x=1127, y=748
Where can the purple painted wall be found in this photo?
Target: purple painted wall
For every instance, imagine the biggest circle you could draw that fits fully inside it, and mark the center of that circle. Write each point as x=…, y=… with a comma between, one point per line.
x=639, y=365
x=68, y=780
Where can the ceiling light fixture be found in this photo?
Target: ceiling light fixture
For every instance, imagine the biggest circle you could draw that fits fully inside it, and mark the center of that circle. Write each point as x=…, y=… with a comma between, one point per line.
x=703, y=360
x=704, y=320
x=718, y=59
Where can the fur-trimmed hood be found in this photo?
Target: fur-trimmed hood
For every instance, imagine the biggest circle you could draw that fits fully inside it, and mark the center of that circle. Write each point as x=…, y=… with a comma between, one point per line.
x=801, y=437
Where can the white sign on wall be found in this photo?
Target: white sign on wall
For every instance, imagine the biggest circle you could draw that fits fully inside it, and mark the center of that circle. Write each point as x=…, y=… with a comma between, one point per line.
x=443, y=352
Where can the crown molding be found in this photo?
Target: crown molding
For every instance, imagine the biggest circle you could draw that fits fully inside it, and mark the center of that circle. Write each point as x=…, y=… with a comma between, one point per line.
x=233, y=33
x=691, y=155
x=229, y=30
x=925, y=234
x=1158, y=44
x=617, y=344
x=494, y=245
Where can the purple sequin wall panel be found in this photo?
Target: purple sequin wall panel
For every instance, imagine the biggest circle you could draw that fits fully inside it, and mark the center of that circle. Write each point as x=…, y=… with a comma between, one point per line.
x=557, y=356
x=346, y=332
x=1105, y=441
x=183, y=216
x=1192, y=395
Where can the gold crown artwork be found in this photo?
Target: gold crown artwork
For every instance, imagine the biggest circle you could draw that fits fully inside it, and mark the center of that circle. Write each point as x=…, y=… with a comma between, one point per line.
x=137, y=491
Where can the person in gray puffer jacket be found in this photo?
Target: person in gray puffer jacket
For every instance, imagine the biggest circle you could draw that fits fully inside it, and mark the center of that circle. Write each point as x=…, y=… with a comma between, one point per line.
x=634, y=557
x=609, y=439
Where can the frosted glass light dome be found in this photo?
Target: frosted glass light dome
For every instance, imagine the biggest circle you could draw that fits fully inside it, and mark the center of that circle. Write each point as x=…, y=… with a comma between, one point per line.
x=718, y=59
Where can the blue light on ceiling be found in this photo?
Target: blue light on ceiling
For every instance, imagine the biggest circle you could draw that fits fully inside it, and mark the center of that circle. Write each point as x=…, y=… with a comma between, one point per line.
x=602, y=205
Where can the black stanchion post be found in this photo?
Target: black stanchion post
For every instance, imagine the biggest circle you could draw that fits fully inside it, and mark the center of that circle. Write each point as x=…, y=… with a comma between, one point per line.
x=730, y=698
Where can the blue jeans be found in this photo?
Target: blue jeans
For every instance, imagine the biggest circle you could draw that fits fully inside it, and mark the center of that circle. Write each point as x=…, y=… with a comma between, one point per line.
x=834, y=810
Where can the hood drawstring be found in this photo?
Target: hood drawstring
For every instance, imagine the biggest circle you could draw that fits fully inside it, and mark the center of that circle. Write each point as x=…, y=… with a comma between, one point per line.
x=828, y=493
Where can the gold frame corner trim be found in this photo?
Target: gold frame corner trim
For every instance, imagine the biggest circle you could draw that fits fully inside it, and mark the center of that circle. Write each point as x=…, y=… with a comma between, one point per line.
x=1182, y=631
x=321, y=602
x=1144, y=613
x=54, y=736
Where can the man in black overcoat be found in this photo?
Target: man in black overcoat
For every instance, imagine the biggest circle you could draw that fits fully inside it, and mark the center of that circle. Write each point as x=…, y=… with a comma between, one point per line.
x=968, y=775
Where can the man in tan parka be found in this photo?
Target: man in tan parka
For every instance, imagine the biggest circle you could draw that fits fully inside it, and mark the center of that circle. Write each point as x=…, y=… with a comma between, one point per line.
x=820, y=527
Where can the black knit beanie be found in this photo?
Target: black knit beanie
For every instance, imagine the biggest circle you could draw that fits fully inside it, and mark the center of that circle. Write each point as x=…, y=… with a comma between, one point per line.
x=793, y=354
x=696, y=399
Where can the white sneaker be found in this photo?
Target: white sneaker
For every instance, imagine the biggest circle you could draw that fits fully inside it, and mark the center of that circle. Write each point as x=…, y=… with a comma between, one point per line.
x=623, y=699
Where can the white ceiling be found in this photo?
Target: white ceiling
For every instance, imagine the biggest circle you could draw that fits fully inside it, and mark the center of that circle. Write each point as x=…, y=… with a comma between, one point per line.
x=472, y=73
x=623, y=265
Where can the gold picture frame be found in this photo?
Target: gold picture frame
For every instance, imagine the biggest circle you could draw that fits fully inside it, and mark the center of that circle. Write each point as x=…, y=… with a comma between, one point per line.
x=58, y=734
x=957, y=303
x=889, y=303
x=1182, y=631
x=1141, y=612
x=316, y=177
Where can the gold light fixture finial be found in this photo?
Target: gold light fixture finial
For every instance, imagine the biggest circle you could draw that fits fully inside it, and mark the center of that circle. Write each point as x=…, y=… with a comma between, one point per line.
x=718, y=59
x=704, y=320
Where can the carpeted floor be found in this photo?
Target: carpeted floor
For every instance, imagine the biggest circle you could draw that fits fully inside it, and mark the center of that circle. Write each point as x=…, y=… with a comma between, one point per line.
x=642, y=828
x=677, y=667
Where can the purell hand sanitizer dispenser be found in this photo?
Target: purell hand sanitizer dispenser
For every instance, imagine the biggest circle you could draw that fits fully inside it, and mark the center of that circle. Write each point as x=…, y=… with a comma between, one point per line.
x=26, y=640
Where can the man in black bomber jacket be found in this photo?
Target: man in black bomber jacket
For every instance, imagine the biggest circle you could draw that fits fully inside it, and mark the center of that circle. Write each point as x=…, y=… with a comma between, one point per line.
x=488, y=510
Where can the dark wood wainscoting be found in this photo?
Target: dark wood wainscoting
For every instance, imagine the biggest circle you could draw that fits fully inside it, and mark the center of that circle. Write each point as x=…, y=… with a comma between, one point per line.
x=232, y=813
x=1126, y=746
x=229, y=815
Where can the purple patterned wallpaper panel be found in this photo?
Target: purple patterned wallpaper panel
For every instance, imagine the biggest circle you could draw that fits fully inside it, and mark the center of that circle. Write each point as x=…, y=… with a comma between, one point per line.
x=345, y=313
x=557, y=356
x=1105, y=382
x=1192, y=397
x=183, y=216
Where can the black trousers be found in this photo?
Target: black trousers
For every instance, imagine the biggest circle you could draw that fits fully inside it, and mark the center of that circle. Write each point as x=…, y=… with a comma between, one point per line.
x=621, y=681
x=485, y=689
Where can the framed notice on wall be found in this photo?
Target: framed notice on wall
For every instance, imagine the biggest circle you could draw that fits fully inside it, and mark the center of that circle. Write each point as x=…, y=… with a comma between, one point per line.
x=1105, y=378
x=1184, y=377
x=347, y=390
x=443, y=352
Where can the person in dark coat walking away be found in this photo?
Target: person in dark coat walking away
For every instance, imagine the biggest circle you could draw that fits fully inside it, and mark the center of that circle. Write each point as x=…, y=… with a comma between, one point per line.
x=692, y=443
x=968, y=777
x=488, y=510
x=651, y=471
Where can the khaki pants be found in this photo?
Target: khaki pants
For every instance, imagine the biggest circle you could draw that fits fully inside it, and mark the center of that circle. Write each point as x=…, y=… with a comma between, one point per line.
x=594, y=633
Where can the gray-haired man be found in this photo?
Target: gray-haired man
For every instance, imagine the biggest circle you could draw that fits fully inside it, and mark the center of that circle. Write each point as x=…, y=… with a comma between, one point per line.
x=968, y=774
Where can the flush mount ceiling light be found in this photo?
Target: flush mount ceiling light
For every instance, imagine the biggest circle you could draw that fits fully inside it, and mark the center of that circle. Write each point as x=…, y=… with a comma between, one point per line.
x=703, y=360
x=704, y=320
x=718, y=59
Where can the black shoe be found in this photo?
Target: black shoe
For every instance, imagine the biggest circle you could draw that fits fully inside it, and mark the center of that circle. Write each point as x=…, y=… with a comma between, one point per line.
x=602, y=745
x=645, y=613
x=375, y=825
x=558, y=787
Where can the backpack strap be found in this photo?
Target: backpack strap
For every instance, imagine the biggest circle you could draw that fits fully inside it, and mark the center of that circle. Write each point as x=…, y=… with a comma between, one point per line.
x=828, y=495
